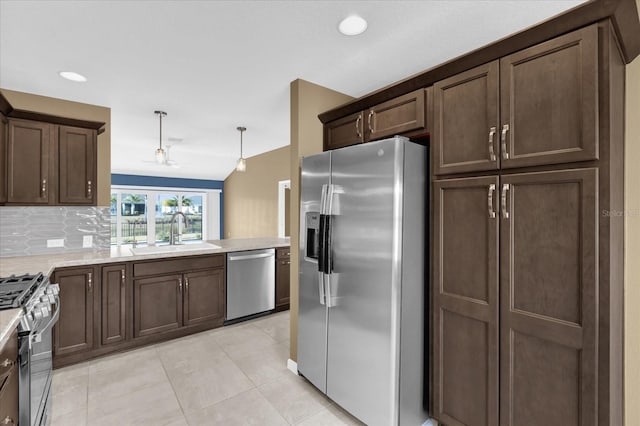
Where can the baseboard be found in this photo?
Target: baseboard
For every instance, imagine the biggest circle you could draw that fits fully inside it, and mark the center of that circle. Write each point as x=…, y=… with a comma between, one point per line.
x=292, y=366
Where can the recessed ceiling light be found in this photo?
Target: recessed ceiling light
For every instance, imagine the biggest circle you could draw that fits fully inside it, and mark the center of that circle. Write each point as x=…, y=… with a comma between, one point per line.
x=73, y=76
x=352, y=25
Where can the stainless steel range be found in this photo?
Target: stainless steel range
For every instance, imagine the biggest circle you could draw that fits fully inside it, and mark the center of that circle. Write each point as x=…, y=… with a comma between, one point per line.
x=39, y=300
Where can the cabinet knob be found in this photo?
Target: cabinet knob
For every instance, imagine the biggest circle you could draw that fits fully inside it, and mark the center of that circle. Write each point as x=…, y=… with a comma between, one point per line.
x=6, y=363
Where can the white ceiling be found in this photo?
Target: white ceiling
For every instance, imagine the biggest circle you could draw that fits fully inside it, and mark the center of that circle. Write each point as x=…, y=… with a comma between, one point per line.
x=215, y=65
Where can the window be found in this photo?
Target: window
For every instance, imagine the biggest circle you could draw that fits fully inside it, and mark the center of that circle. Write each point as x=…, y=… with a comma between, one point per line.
x=143, y=215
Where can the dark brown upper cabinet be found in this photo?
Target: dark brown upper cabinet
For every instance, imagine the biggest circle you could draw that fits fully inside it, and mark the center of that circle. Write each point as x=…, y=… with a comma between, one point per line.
x=29, y=162
x=73, y=332
x=549, y=298
x=77, y=159
x=465, y=122
x=50, y=164
x=549, y=101
x=397, y=116
x=113, y=313
x=344, y=132
x=547, y=98
x=465, y=301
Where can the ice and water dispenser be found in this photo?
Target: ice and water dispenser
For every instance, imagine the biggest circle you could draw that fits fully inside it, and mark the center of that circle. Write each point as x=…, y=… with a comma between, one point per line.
x=312, y=221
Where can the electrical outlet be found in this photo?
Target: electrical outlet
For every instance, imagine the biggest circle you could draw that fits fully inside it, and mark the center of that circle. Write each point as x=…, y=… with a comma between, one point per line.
x=55, y=243
x=87, y=241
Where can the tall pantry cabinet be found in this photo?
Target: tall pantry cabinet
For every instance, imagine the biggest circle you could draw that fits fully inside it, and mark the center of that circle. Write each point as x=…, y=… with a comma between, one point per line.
x=527, y=302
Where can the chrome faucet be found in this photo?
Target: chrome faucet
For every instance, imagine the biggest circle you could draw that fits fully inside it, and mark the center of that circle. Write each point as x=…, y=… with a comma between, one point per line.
x=172, y=236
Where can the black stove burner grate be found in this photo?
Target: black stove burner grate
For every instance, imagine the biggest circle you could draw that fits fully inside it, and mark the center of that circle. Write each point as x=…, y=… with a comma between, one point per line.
x=16, y=290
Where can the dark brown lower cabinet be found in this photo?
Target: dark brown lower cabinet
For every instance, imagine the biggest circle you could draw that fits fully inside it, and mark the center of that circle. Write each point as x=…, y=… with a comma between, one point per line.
x=548, y=308
x=9, y=381
x=465, y=299
x=157, y=304
x=204, y=296
x=113, y=312
x=531, y=240
x=283, y=270
x=74, y=330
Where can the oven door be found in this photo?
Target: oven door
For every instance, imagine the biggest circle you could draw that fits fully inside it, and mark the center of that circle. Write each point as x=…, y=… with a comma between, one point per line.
x=40, y=369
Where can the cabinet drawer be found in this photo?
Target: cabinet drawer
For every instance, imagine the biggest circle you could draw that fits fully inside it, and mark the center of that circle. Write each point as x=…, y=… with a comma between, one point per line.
x=283, y=252
x=176, y=265
x=9, y=354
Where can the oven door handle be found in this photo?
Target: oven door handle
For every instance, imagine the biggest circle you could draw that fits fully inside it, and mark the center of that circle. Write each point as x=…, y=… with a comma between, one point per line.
x=53, y=320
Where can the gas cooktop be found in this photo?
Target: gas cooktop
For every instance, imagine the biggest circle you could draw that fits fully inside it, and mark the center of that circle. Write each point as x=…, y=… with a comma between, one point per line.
x=15, y=291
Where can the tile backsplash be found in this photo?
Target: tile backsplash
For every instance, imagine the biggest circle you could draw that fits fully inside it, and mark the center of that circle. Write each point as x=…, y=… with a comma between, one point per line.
x=25, y=230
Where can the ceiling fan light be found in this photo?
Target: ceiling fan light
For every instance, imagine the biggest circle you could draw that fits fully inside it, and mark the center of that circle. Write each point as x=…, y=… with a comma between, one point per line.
x=161, y=156
x=242, y=165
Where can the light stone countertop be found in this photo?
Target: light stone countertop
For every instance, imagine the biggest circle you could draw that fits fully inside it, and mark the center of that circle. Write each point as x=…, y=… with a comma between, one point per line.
x=9, y=319
x=20, y=265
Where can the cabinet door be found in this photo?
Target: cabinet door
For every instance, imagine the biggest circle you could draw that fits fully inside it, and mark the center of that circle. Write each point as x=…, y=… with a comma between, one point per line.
x=465, y=121
x=283, y=268
x=549, y=101
x=465, y=302
x=28, y=162
x=157, y=304
x=74, y=330
x=4, y=134
x=77, y=162
x=402, y=114
x=113, y=304
x=344, y=132
x=9, y=397
x=204, y=296
x=548, y=318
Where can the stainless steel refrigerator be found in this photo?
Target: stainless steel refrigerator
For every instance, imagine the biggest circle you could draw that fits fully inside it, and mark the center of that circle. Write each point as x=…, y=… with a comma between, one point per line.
x=362, y=279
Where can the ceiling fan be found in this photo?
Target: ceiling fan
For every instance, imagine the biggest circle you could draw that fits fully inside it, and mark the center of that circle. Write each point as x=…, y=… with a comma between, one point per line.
x=162, y=154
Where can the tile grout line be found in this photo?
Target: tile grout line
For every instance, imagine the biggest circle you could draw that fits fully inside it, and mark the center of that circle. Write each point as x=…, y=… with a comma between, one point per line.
x=164, y=370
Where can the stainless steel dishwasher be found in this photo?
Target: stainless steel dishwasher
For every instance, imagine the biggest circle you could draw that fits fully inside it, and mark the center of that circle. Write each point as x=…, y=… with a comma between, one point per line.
x=251, y=282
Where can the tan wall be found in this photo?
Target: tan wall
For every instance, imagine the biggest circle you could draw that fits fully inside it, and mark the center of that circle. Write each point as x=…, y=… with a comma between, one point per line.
x=80, y=111
x=251, y=197
x=307, y=101
x=632, y=243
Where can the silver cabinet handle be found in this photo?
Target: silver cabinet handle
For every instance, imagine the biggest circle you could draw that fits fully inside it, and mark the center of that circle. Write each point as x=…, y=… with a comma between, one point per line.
x=90, y=280
x=122, y=277
x=43, y=188
x=8, y=421
x=6, y=363
x=88, y=188
x=505, y=189
x=371, y=114
x=492, y=154
x=186, y=284
x=180, y=285
x=358, y=120
x=492, y=212
x=505, y=153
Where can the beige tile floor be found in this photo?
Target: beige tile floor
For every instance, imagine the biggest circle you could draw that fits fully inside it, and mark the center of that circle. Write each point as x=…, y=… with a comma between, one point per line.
x=233, y=375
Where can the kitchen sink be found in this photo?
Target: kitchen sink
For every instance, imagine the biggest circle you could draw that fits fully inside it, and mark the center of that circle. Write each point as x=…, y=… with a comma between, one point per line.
x=177, y=248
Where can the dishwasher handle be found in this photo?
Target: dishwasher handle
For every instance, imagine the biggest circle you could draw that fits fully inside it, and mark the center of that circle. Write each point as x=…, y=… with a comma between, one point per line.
x=251, y=256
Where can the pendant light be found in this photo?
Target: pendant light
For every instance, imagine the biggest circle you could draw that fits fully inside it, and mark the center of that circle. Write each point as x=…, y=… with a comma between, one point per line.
x=242, y=163
x=161, y=154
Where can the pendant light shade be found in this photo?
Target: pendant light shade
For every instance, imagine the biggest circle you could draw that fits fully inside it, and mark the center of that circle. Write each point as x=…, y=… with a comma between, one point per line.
x=242, y=163
x=161, y=154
